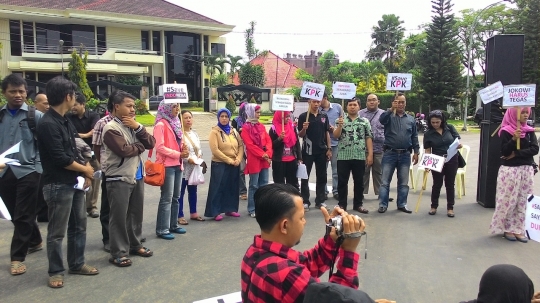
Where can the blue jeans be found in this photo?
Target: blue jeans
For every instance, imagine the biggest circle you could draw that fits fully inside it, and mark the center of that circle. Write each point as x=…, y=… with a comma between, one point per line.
x=167, y=215
x=192, y=198
x=333, y=162
x=256, y=181
x=391, y=161
x=67, y=210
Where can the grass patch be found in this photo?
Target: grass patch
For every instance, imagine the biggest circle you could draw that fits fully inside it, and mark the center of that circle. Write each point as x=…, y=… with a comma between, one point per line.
x=266, y=119
x=193, y=109
x=146, y=120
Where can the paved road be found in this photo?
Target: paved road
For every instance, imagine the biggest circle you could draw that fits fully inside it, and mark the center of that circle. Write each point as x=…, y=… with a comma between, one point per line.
x=411, y=258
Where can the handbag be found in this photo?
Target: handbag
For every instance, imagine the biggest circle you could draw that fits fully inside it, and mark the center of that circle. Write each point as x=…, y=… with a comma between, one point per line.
x=461, y=161
x=155, y=172
x=196, y=176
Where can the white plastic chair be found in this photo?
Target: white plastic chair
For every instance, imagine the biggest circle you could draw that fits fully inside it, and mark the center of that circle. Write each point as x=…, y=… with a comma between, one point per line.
x=460, y=177
x=411, y=169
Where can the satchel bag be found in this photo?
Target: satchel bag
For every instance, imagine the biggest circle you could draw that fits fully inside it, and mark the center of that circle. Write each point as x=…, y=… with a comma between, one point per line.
x=461, y=161
x=155, y=172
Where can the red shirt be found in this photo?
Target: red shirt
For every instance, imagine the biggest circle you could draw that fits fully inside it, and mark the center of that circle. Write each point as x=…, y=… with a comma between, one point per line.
x=254, y=153
x=283, y=274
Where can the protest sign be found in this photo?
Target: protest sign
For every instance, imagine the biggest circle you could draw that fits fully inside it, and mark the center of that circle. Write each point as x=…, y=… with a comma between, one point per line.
x=343, y=90
x=282, y=102
x=491, y=93
x=398, y=81
x=431, y=161
x=532, y=218
x=313, y=91
x=521, y=95
x=174, y=93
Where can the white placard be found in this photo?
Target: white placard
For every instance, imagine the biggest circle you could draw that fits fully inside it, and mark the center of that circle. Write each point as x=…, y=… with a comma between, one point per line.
x=521, y=95
x=452, y=150
x=235, y=297
x=343, y=90
x=431, y=161
x=175, y=93
x=398, y=81
x=491, y=93
x=532, y=218
x=312, y=90
x=283, y=102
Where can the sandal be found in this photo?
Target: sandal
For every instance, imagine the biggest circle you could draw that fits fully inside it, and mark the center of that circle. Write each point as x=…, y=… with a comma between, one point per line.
x=183, y=221
x=17, y=268
x=55, y=279
x=33, y=249
x=145, y=253
x=362, y=210
x=85, y=270
x=433, y=211
x=120, y=262
x=199, y=218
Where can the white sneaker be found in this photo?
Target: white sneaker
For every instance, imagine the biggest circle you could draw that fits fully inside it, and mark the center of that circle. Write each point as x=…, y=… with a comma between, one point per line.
x=252, y=215
x=306, y=207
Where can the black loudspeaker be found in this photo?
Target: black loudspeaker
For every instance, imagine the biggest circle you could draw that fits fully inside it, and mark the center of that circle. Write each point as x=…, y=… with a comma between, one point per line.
x=504, y=62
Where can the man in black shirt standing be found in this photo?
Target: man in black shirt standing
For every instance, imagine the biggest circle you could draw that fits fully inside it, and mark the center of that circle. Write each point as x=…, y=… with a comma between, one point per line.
x=61, y=168
x=316, y=148
x=84, y=122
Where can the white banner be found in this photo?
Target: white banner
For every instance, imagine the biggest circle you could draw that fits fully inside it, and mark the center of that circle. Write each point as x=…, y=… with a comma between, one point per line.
x=283, y=102
x=398, y=81
x=343, y=90
x=521, y=95
x=313, y=91
x=175, y=93
x=431, y=161
x=491, y=93
x=532, y=218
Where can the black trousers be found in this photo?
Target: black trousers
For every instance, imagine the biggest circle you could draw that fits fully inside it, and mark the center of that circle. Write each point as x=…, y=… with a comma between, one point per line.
x=285, y=172
x=448, y=174
x=344, y=169
x=320, y=167
x=42, y=208
x=104, y=211
x=20, y=197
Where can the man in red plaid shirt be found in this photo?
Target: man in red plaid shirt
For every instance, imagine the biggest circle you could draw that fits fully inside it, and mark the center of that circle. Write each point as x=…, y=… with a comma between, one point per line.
x=274, y=272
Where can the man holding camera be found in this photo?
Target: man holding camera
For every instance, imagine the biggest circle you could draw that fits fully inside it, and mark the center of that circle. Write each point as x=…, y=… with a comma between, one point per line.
x=272, y=271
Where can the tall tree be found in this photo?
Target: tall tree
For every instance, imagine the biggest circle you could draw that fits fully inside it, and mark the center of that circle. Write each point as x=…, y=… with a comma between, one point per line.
x=252, y=75
x=77, y=73
x=213, y=63
x=326, y=61
x=441, y=63
x=368, y=72
x=387, y=36
x=251, y=51
x=530, y=24
x=234, y=64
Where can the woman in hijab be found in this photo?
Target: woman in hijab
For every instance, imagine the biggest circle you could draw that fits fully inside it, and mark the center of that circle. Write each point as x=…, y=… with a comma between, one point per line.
x=286, y=149
x=227, y=150
x=169, y=151
x=437, y=140
x=504, y=283
x=516, y=175
x=237, y=123
x=258, y=153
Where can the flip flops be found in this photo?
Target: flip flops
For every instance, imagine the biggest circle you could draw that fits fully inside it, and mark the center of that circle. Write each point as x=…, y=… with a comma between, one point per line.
x=56, y=279
x=146, y=253
x=17, y=268
x=120, y=262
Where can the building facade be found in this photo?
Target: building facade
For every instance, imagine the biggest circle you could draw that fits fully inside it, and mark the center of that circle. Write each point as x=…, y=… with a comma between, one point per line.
x=153, y=39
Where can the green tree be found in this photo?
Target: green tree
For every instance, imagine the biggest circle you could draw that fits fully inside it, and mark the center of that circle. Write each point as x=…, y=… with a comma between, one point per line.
x=326, y=61
x=251, y=51
x=441, y=77
x=302, y=75
x=387, y=36
x=252, y=75
x=77, y=73
x=212, y=64
x=369, y=70
x=234, y=64
x=529, y=21
x=131, y=80
x=220, y=80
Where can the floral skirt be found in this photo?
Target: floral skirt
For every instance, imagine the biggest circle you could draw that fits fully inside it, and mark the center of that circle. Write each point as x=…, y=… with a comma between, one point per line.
x=514, y=185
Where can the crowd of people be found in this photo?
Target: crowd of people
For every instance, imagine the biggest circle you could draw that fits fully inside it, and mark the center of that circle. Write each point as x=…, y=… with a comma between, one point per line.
x=73, y=146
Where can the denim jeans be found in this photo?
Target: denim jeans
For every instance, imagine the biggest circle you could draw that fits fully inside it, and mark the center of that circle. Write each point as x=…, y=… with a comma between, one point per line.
x=391, y=161
x=67, y=210
x=167, y=216
x=333, y=162
x=256, y=181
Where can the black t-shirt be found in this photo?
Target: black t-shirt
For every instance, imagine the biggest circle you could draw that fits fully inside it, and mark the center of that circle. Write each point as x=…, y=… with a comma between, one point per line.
x=85, y=124
x=314, y=142
x=438, y=143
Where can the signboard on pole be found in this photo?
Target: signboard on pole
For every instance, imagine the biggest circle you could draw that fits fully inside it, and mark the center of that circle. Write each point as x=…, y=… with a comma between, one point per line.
x=343, y=90
x=396, y=81
x=532, y=218
x=491, y=93
x=175, y=93
x=431, y=161
x=312, y=90
x=521, y=95
x=283, y=102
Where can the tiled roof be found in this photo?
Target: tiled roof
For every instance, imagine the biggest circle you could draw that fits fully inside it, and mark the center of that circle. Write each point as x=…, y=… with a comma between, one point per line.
x=156, y=8
x=276, y=66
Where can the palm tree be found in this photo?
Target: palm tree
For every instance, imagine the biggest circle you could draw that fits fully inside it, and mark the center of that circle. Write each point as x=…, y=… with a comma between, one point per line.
x=367, y=70
x=213, y=63
x=387, y=37
x=234, y=63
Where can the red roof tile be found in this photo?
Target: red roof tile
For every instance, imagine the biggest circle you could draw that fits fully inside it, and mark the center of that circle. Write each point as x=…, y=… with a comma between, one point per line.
x=275, y=66
x=157, y=8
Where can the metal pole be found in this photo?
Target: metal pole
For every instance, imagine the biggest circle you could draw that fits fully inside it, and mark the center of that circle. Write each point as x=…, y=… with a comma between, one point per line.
x=61, y=42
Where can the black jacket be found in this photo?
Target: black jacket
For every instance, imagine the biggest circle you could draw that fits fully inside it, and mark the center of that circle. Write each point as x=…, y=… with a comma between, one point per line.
x=524, y=156
x=278, y=145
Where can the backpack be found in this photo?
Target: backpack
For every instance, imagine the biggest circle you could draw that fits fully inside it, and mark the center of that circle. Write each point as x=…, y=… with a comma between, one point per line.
x=30, y=119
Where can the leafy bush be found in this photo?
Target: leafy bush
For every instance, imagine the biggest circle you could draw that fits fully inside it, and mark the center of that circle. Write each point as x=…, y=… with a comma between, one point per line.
x=140, y=107
x=231, y=105
x=92, y=103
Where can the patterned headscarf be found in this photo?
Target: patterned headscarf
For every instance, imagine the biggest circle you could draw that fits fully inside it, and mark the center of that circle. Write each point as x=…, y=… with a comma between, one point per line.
x=165, y=112
x=225, y=128
x=241, y=119
x=510, y=121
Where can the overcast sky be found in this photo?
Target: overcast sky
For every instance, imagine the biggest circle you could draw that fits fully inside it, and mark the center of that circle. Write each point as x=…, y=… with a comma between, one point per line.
x=298, y=26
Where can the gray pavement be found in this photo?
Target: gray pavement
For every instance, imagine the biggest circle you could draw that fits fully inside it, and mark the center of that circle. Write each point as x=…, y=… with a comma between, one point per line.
x=411, y=257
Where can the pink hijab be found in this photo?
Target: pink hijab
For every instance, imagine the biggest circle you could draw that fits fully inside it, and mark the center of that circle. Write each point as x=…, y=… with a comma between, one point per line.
x=509, y=122
x=290, y=135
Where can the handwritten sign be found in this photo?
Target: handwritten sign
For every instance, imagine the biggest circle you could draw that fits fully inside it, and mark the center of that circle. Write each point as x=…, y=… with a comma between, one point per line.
x=521, y=95
x=398, y=81
x=343, y=90
x=431, y=161
x=314, y=91
x=532, y=218
x=491, y=93
x=283, y=102
x=175, y=93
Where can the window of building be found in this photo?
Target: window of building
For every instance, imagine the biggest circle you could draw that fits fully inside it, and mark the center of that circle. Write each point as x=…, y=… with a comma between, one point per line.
x=156, y=41
x=205, y=44
x=217, y=48
x=47, y=37
x=101, y=40
x=145, y=40
x=182, y=61
x=28, y=36
x=15, y=37
x=157, y=82
x=84, y=35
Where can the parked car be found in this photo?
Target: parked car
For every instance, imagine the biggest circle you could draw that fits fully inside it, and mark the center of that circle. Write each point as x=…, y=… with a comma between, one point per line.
x=154, y=102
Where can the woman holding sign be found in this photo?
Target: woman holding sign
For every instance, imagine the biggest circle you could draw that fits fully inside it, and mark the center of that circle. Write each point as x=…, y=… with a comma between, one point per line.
x=437, y=140
x=515, y=180
x=287, y=153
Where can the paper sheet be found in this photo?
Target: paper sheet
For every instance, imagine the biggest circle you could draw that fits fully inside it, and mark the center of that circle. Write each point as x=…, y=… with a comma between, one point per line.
x=80, y=184
x=4, y=213
x=12, y=150
x=301, y=172
x=452, y=150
